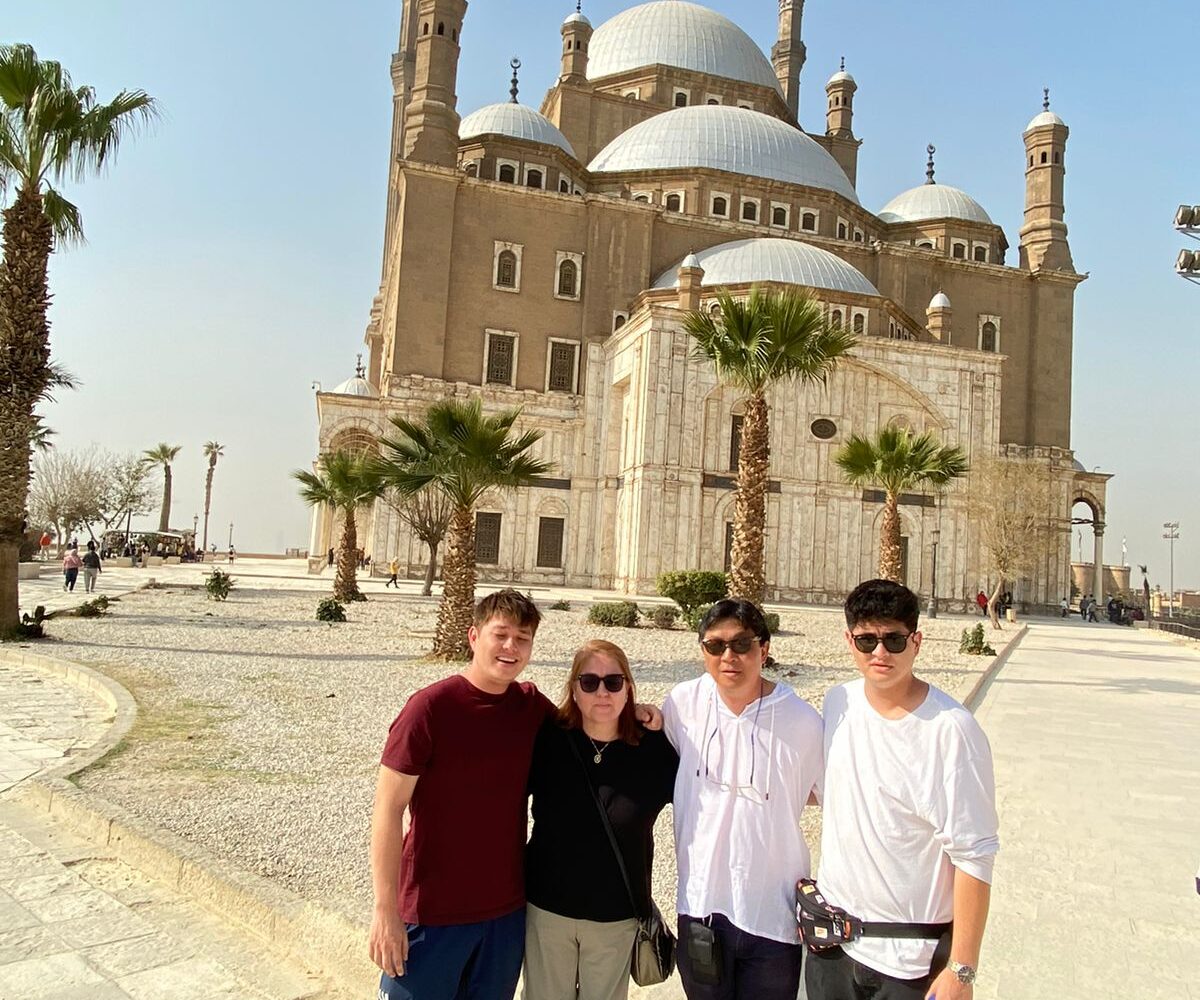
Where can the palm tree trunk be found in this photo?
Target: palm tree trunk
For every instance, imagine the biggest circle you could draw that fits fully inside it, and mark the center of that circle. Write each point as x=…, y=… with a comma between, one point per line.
x=24, y=373
x=457, y=609
x=991, y=604
x=430, y=570
x=747, y=578
x=345, y=584
x=889, y=540
x=207, y=502
x=164, y=515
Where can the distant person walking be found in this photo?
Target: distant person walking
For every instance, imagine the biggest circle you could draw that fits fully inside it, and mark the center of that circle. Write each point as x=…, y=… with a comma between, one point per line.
x=982, y=601
x=91, y=568
x=330, y=557
x=394, y=570
x=70, y=564
x=232, y=553
x=1065, y=607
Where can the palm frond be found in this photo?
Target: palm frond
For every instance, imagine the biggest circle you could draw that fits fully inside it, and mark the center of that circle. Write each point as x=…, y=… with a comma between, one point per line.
x=897, y=460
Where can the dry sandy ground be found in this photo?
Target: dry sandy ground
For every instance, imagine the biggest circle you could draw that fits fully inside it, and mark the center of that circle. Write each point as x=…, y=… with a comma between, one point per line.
x=259, y=728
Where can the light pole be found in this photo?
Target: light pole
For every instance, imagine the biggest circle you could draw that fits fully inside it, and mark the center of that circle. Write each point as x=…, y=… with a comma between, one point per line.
x=1171, y=534
x=931, y=611
x=231, y=534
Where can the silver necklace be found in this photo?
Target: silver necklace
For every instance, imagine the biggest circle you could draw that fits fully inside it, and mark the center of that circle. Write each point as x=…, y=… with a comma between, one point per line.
x=599, y=749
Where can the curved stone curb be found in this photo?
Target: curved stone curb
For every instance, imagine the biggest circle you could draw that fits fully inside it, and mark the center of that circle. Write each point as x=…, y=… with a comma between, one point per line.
x=322, y=940
x=975, y=696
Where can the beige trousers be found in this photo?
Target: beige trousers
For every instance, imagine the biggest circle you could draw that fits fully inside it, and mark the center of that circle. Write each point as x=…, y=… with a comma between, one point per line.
x=569, y=959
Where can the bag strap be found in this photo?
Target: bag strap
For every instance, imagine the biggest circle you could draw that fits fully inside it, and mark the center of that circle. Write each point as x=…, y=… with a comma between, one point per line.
x=612, y=837
x=899, y=930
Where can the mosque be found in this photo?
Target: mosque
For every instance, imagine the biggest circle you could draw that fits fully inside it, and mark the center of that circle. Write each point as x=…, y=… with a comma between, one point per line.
x=546, y=259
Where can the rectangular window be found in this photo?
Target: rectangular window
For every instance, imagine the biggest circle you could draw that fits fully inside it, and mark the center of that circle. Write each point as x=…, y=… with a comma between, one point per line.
x=500, y=359
x=735, y=443
x=487, y=538
x=562, y=367
x=550, y=542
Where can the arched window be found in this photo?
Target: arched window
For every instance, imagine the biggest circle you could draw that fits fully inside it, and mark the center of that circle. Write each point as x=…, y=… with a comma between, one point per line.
x=533, y=179
x=1058, y=157
x=564, y=186
x=674, y=203
x=841, y=230
x=959, y=251
x=835, y=318
x=981, y=255
x=779, y=216
x=473, y=168
x=506, y=269
x=619, y=321
x=860, y=323
x=425, y=30
x=808, y=221
x=858, y=236
x=441, y=28
x=1043, y=157
x=749, y=211
x=680, y=99
x=987, y=337
x=568, y=277
x=642, y=199
x=1031, y=159
x=925, y=245
x=720, y=206
x=507, y=174
x=712, y=100
x=714, y=309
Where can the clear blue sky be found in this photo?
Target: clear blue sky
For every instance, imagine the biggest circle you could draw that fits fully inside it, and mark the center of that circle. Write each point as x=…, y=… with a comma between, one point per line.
x=233, y=254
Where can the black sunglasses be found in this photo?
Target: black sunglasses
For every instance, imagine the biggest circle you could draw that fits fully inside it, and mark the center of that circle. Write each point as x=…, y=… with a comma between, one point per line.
x=893, y=642
x=740, y=645
x=590, y=683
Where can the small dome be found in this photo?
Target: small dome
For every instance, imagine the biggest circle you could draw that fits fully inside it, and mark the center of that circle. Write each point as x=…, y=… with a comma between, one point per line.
x=934, y=201
x=940, y=301
x=736, y=140
x=356, y=386
x=674, y=33
x=789, y=262
x=841, y=76
x=576, y=17
x=1044, y=118
x=515, y=121
x=691, y=260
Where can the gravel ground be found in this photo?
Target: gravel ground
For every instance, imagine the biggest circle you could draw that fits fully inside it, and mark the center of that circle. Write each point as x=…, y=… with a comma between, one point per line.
x=259, y=729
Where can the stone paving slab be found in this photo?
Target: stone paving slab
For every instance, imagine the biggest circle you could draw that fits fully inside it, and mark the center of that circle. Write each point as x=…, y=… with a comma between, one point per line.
x=1094, y=733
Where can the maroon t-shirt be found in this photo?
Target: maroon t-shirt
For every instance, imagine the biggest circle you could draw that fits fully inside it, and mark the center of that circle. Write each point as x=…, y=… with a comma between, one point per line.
x=464, y=852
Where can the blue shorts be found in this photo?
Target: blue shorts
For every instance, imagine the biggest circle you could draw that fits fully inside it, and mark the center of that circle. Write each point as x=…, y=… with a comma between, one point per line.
x=463, y=962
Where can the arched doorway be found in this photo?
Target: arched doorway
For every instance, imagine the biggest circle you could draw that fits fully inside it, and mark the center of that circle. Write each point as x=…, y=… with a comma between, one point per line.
x=1087, y=525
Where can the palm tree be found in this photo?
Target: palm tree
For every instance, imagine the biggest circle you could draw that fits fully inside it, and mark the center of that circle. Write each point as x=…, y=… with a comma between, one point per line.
x=163, y=455
x=772, y=337
x=345, y=481
x=212, y=451
x=462, y=453
x=50, y=131
x=898, y=461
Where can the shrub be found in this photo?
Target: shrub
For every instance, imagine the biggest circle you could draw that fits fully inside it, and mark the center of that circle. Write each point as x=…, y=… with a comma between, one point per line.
x=561, y=606
x=662, y=616
x=218, y=584
x=695, y=616
x=692, y=588
x=973, y=642
x=330, y=609
x=619, y=614
x=772, y=620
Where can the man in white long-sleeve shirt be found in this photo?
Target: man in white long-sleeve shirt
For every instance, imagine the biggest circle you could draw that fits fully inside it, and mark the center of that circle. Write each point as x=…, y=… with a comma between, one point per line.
x=909, y=830
x=749, y=762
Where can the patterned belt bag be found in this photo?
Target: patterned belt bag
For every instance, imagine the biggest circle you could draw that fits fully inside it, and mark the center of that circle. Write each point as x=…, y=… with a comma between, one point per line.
x=823, y=925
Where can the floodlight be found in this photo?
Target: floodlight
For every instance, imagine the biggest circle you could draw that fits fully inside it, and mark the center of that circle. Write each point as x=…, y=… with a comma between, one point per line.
x=1188, y=262
x=1184, y=216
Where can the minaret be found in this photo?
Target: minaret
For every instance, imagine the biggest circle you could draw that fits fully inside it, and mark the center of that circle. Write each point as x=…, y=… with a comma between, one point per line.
x=1044, y=234
x=839, y=113
x=788, y=53
x=404, y=64
x=938, y=317
x=430, y=121
x=577, y=34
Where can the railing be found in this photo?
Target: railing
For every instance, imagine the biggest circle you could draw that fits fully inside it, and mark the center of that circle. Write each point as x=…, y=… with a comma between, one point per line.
x=1177, y=627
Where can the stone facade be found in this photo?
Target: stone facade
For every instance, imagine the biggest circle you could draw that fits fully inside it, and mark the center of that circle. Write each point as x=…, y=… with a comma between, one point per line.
x=516, y=273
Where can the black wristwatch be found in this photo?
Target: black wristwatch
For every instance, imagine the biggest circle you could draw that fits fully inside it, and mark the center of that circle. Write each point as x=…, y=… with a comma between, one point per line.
x=965, y=974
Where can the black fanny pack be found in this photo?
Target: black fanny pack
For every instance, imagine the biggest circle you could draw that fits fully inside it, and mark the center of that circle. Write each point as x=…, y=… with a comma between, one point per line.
x=823, y=925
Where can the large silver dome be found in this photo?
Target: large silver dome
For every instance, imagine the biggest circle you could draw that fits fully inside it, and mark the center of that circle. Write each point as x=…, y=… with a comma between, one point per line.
x=674, y=33
x=934, y=201
x=736, y=140
x=772, y=259
x=515, y=121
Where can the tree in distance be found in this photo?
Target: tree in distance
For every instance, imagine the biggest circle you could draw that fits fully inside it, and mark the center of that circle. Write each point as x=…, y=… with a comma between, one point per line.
x=771, y=338
x=164, y=454
x=50, y=131
x=346, y=481
x=897, y=461
x=427, y=513
x=462, y=453
x=212, y=451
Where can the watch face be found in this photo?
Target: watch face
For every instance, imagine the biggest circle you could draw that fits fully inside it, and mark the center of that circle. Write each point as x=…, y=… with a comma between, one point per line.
x=964, y=973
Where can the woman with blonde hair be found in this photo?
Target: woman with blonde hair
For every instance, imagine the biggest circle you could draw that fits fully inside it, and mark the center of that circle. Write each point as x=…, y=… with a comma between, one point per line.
x=580, y=919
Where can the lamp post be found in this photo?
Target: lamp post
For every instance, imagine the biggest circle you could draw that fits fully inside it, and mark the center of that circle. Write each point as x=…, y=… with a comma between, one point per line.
x=1171, y=534
x=231, y=534
x=931, y=612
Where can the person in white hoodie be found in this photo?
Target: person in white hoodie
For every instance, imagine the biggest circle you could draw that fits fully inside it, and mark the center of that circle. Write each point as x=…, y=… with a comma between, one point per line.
x=909, y=829
x=750, y=759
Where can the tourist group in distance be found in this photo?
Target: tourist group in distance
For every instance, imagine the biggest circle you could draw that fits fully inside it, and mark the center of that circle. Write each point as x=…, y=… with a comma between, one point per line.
x=465, y=904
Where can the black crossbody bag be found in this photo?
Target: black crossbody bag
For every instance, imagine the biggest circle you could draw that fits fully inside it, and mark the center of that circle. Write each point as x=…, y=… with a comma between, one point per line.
x=653, y=958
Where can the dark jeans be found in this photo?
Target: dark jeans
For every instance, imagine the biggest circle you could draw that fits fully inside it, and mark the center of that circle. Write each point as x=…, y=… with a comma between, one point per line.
x=70, y=576
x=834, y=975
x=479, y=961
x=752, y=968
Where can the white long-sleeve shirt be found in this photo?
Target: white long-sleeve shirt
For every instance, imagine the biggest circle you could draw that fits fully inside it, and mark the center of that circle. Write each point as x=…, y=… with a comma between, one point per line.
x=906, y=802
x=742, y=783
